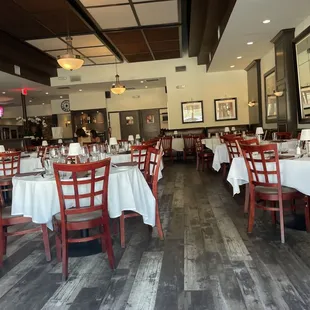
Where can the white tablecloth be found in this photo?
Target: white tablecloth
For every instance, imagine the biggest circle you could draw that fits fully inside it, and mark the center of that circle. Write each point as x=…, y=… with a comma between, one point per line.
x=178, y=144
x=221, y=153
x=211, y=143
x=29, y=164
x=294, y=173
x=37, y=197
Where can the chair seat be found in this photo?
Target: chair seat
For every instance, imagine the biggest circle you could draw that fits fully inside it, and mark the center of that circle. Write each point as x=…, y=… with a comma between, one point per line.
x=274, y=190
x=206, y=155
x=6, y=213
x=80, y=217
x=4, y=179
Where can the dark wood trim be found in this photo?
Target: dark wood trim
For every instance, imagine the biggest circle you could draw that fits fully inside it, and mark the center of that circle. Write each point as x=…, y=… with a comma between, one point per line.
x=122, y=4
x=271, y=71
x=281, y=33
x=302, y=35
x=194, y=101
x=251, y=65
x=226, y=120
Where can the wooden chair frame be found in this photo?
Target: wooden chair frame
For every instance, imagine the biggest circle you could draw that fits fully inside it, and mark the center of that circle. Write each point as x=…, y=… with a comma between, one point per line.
x=139, y=154
x=166, y=144
x=189, y=146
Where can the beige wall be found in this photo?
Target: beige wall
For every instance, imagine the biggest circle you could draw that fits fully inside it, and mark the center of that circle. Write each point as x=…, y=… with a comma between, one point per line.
x=87, y=100
x=199, y=85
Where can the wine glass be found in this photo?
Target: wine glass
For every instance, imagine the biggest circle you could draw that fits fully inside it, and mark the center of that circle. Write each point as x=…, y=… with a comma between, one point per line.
x=54, y=153
x=84, y=154
x=64, y=150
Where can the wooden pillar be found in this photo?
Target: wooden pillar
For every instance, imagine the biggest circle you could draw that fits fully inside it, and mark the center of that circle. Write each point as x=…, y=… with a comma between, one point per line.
x=24, y=108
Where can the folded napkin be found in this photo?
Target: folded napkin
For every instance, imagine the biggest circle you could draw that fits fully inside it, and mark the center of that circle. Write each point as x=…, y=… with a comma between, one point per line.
x=26, y=174
x=128, y=164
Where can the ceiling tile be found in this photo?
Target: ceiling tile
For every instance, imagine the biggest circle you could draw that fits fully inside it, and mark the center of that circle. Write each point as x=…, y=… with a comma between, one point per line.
x=165, y=45
x=141, y=0
x=87, y=62
x=114, y=17
x=95, y=51
x=103, y=60
x=48, y=44
x=60, y=52
x=35, y=6
x=101, y=2
x=127, y=36
x=155, y=13
x=166, y=55
x=85, y=40
x=162, y=34
x=139, y=57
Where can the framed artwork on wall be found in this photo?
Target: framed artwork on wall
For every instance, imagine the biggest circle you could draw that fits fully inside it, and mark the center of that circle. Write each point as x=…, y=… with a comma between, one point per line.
x=270, y=98
x=225, y=109
x=192, y=112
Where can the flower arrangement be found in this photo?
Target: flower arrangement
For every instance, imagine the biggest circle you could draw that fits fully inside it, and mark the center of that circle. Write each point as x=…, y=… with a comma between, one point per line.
x=34, y=120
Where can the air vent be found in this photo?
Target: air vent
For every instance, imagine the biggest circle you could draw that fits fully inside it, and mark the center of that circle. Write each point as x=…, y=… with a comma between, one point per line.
x=63, y=87
x=130, y=88
x=152, y=80
x=180, y=69
x=75, y=78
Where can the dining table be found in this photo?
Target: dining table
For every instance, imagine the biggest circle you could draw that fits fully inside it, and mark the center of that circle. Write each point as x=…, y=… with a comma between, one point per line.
x=211, y=143
x=178, y=144
x=36, y=196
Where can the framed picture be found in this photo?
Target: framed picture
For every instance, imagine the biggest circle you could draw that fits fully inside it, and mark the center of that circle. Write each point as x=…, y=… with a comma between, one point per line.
x=225, y=109
x=192, y=112
x=150, y=119
x=129, y=120
x=270, y=98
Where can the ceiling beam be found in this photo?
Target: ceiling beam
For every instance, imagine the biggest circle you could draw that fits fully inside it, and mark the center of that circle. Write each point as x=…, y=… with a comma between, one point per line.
x=34, y=64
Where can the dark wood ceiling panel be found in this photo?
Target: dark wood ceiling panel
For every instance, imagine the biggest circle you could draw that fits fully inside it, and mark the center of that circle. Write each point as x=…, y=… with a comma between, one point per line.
x=128, y=36
x=164, y=45
x=133, y=48
x=35, y=6
x=139, y=57
x=167, y=55
x=162, y=34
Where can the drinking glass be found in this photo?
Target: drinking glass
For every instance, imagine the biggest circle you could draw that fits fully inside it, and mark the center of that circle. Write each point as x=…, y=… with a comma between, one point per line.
x=54, y=153
x=48, y=166
x=84, y=154
x=64, y=150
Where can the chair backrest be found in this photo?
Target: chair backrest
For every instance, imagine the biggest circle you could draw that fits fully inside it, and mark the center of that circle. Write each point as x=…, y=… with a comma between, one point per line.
x=298, y=136
x=189, y=142
x=41, y=151
x=166, y=143
x=152, y=167
x=232, y=147
x=284, y=135
x=9, y=164
x=253, y=141
x=48, y=149
x=139, y=154
x=85, y=191
x=227, y=136
x=198, y=146
x=262, y=162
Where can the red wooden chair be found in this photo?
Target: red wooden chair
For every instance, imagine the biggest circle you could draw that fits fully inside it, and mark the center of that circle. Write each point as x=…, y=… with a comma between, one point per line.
x=138, y=154
x=79, y=217
x=41, y=151
x=152, y=167
x=265, y=183
x=47, y=151
x=189, y=146
x=202, y=156
x=284, y=135
x=9, y=166
x=166, y=143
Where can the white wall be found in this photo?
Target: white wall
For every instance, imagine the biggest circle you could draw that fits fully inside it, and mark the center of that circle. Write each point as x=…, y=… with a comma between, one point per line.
x=199, y=85
x=267, y=63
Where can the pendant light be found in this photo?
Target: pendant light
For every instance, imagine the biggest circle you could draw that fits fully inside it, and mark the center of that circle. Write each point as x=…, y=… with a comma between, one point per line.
x=69, y=61
x=117, y=88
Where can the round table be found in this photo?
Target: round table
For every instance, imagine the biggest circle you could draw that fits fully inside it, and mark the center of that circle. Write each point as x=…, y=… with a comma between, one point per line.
x=37, y=197
x=178, y=144
x=211, y=143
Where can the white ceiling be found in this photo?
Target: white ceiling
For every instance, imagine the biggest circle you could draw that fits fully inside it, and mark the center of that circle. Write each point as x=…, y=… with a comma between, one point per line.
x=12, y=85
x=246, y=24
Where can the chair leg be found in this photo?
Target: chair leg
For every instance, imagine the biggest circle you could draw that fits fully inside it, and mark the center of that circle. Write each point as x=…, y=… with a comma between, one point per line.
x=122, y=229
x=224, y=171
x=64, y=254
x=158, y=223
x=197, y=163
x=5, y=239
x=58, y=247
x=246, y=199
x=252, y=212
x=281, y=221
x=108, y=242
x=46, y=242
x=307, y=214
x=2, y=250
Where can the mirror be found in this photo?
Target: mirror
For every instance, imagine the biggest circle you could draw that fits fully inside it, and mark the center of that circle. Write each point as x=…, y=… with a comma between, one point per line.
x=270, y=98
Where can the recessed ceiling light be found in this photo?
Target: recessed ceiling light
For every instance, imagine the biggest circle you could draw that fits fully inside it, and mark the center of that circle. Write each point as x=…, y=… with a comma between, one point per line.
x=239, y=57
x=46, y=93
x=250, y=43
x=233, y=66
x=266, y=21
x=3, y=92
x=43, y=103
x=30, y=100
x=60, y=97
x=80, y=89
x=145, y=86
x=141, y=81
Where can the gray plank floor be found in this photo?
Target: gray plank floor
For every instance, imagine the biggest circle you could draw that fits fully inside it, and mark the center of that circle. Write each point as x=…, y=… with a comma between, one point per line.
x=207, y=260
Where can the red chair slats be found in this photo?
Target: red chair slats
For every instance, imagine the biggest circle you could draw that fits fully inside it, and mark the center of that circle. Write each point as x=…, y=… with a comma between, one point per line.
x=151, y=172
x=232, y=147
x=166, y=144
x=82, y=208
x=265, y=182
x=284, y=135
x=9, y=166
x=138, y=154
x=189, y=146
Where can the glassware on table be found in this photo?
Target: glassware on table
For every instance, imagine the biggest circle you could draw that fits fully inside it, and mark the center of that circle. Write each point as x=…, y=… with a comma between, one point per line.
x=48, y=166
x=84, y=154
x=54, y=153
x=274, y=136
x=126, y=146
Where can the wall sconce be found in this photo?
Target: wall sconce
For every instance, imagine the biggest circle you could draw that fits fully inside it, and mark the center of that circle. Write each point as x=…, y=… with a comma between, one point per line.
x=252, y=103
x=67, y=123
x=278, y=93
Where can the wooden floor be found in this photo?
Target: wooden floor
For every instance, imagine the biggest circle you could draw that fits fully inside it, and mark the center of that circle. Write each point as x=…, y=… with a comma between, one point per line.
x=207, y=260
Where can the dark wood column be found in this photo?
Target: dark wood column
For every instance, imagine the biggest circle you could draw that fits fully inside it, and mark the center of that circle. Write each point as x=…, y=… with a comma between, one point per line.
x=24, y=108
x=286, y=81
x=255, y=92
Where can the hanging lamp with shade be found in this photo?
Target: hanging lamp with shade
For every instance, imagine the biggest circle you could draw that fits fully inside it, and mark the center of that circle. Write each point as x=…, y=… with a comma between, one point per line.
x=117, y=88
x=69, y=61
